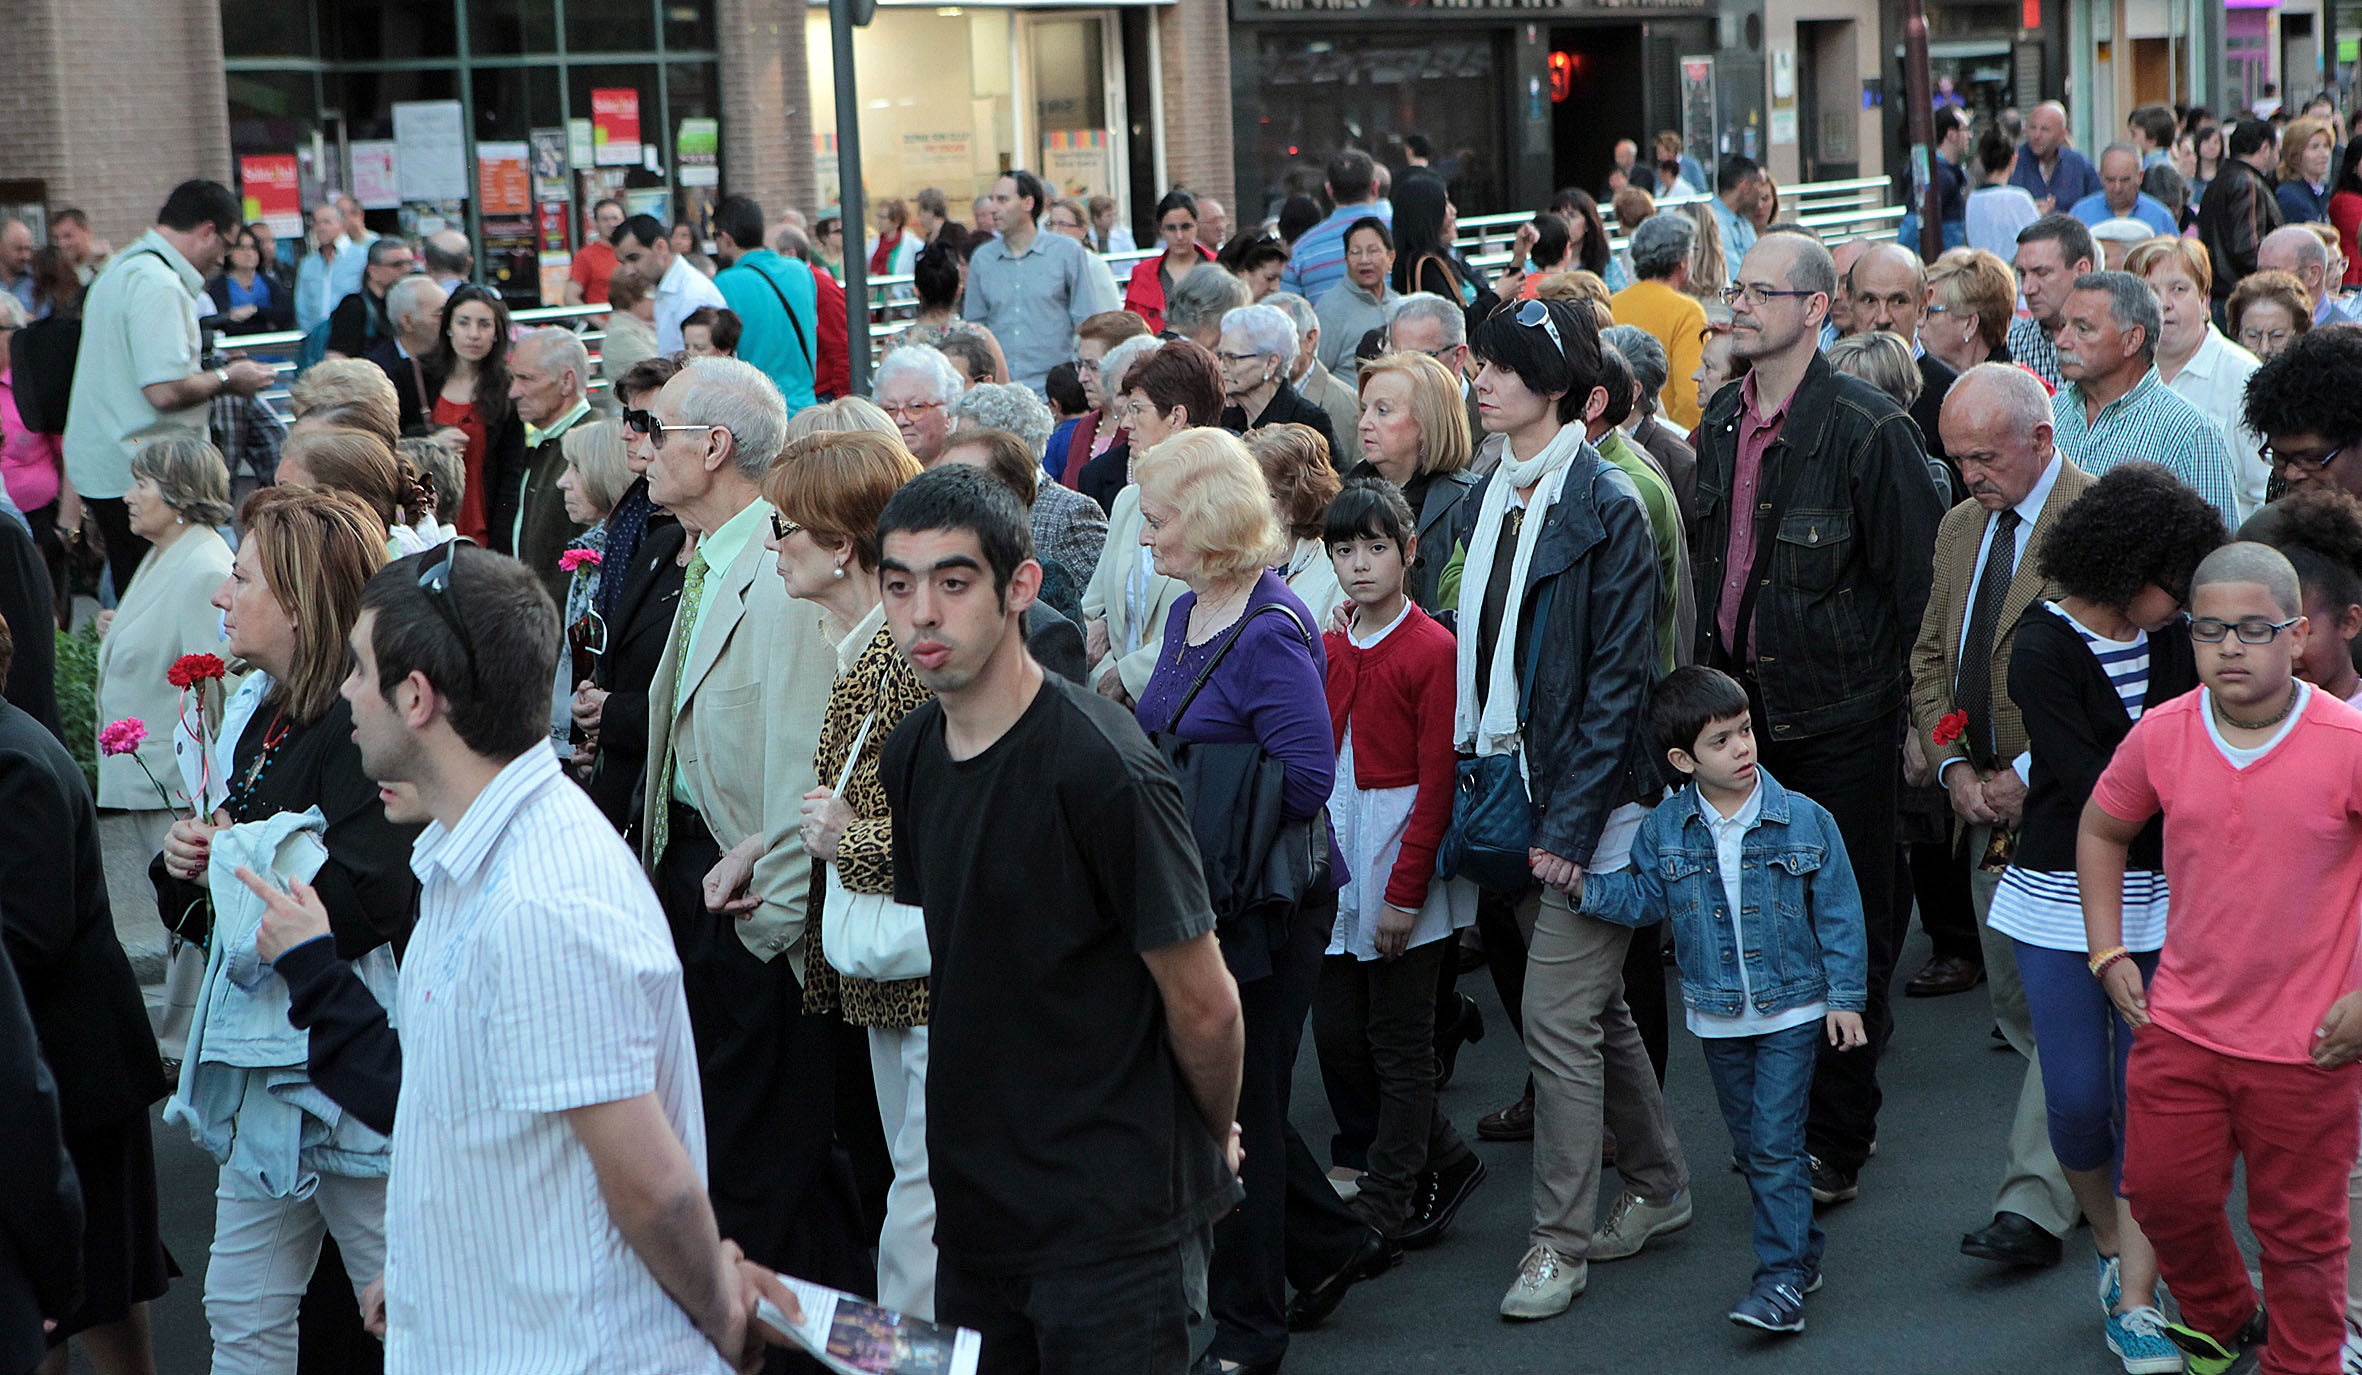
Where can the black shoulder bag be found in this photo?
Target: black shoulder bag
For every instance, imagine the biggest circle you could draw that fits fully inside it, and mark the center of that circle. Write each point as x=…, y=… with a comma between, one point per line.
x=1259, y=866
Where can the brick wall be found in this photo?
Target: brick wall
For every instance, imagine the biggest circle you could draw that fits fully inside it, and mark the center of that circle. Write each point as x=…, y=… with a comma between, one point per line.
x=766, y=109
x=1193, y=38
x=113, y=102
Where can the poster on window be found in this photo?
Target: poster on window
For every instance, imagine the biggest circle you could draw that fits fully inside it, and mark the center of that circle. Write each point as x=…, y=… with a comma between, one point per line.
x=269, y=184
x=697, y=152
x=615, y=126
x=375, y=183
x=550, y=182
x=503, y=182
x=1078, y=162
x=431, y=161
x=943, y=158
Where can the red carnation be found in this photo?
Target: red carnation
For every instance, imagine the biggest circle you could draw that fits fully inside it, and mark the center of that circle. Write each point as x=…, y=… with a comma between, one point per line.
x=191, y=669
x=1950, y=728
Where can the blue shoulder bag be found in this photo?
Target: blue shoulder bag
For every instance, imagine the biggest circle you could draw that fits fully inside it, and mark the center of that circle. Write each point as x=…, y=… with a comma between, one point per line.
x=1493, y=812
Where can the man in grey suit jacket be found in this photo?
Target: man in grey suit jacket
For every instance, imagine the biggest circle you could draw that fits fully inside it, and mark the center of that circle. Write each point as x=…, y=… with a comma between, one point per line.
x=733, y=718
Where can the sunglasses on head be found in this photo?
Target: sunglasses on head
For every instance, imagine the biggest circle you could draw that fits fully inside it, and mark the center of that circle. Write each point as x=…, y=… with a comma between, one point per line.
x=1536, y=315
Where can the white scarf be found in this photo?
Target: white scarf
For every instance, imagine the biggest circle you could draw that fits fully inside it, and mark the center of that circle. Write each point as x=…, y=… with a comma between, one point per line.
x=1496, y=731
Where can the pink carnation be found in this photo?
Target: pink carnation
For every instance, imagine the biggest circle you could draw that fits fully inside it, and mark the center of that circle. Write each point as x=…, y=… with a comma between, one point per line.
x=122, y=737
x=575, y=560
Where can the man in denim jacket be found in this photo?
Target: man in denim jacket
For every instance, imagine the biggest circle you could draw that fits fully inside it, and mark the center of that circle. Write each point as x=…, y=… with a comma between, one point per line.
x=1767, y=924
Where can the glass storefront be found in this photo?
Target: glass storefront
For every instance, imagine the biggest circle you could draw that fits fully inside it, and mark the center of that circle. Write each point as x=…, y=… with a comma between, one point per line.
x=547, y=106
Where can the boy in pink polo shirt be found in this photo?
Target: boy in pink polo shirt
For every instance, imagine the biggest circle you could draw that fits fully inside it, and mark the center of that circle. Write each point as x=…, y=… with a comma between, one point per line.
x=2246, y=1042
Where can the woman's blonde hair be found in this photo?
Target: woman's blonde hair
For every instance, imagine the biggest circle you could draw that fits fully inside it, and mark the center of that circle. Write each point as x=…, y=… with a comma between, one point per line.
x=2187, y=254
x=358, y=463
x=595, y=452
x=1445, y=446
x=1578, y=285
x=1709, y=263
x=189, y=473
x=352, y=392
x=1220, y=500
x=1881, y=359
x=839, y=416
x=316, y=549
x=837, y=484
x=2294, y=138
x=1976, y=279
x=1302, y=478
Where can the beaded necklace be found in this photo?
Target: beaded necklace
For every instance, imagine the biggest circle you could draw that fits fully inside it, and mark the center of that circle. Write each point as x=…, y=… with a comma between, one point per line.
x=241, y=792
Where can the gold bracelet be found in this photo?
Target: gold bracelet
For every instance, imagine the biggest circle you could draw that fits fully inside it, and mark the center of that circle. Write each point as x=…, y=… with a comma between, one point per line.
x=2099, y=964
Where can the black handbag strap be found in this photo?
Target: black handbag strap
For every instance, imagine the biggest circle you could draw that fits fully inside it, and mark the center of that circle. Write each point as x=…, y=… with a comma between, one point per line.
x=789, y=311
x=1533, y=658
x=1223, y=649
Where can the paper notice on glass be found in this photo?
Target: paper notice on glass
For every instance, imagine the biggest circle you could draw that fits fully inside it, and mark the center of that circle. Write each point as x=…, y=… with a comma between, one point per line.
x=856, y=1337
x=375, y=184
x=432, y=135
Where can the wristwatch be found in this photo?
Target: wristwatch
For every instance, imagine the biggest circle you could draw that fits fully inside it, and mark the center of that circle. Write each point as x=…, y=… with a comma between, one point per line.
x=222, y=376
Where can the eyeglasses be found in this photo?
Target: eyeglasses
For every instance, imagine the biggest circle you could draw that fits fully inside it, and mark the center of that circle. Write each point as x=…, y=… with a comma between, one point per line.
x=1755, y=294
x=1535, y=315
x=435, y=581
x=782, y=527
x=1082, y=365
x=1367, y=254
x=1241, y=359
x=904, y=410
x=646, y=423
x=2208, y=630
x=1438, y=354
x=2273, y=458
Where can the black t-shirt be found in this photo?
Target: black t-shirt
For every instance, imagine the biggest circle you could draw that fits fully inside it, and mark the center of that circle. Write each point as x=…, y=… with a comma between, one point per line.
x=1059, y=1128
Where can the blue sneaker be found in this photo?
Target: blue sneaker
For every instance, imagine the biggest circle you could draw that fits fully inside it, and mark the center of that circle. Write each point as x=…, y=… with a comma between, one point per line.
x=2111, y=1283
x=2137, y=1336
x=1772, y=1307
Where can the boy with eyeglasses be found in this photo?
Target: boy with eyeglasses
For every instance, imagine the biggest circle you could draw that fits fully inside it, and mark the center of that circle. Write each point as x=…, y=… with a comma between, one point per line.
x=2249, y=1034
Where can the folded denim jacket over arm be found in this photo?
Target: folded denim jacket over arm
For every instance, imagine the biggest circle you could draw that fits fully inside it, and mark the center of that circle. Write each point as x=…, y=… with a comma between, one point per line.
x=244, y=1092
x=1802, y=909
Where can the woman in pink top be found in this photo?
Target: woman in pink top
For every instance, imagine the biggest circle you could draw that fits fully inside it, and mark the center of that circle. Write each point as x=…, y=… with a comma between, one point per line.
x=32, y=465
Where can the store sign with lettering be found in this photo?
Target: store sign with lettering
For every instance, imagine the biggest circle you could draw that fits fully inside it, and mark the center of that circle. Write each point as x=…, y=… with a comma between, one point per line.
x=1252, y=9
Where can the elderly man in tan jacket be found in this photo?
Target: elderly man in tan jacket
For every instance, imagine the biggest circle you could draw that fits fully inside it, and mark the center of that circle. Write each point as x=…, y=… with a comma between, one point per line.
x=734, y=715
x=1996, y=423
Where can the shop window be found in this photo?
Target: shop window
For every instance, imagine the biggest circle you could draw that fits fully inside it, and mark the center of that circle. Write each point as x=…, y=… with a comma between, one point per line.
x=610, y=26
x=369, y=97
x=266, y=28
x=271, y=112
x=936, y=103
x=511, y=28
x=512, y=101
x=688, y=26
x=1316, y=95
x=388, y=30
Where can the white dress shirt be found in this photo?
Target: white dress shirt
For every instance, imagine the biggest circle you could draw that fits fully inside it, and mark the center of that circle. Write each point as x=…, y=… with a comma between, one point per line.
x=2215, y=381
x=681, y=292
x=541, y=978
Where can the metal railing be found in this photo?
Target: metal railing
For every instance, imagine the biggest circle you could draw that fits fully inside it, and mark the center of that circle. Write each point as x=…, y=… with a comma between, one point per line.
x=1836, y=210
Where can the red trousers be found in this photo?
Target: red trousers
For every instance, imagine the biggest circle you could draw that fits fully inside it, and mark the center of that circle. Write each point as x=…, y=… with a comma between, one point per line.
x=2189, y=1111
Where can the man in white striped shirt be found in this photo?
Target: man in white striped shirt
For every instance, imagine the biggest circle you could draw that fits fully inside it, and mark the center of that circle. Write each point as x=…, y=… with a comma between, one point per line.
x=547, y=1209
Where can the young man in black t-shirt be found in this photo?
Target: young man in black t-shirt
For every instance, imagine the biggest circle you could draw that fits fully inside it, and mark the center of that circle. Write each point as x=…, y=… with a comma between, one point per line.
x=1086, y=1037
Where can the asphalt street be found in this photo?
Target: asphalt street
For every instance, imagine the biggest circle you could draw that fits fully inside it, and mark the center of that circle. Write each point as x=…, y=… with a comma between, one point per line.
x=1900, y=1297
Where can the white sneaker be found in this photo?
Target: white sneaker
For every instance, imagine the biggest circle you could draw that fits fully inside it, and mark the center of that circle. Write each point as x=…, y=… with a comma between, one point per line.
x=2350, y=1355
x=1634, y=1221
x=1547, y=1283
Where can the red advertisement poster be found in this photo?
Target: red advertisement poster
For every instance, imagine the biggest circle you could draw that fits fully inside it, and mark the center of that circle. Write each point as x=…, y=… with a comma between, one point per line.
x=269, y=185
x=615, y=126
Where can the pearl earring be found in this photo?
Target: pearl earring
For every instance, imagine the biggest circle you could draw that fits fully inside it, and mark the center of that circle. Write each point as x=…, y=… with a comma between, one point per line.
x=837, y=572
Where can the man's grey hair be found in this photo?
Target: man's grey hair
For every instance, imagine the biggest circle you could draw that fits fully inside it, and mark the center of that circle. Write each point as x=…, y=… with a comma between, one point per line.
x=560, y=350
x=1810, y=268
x=741, y=398
x=402, y=298
x=1299, y=311
x=2125, y=148
x=933, y=369
x=1426, y=305
x=1119, y=360
x=1662, y=244
x=2131, y=302
x=1010, y=406
x=447, y=253
x=2310, y=251
x=1644, y=355
x=1202, y=299
x=2005, y=389
x=383, y=247
x=1266, y=329
x=1917, y=265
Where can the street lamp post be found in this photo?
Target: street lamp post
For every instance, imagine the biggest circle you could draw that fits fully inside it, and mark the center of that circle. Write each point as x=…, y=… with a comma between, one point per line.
x=843, y=17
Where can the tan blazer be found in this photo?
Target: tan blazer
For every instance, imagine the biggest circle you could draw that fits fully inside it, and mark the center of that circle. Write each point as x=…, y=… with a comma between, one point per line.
x=1104, y=598
x=1935, y=657
x=745, y=733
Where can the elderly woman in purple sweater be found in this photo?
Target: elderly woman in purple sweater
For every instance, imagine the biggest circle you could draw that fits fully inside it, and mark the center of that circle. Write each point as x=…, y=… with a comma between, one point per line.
x=1207, y=518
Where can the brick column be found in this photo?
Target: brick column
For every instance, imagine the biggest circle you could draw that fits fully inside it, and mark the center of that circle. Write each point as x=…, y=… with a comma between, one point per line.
x=114, y=102
x=766, y=104
x=1193, y=39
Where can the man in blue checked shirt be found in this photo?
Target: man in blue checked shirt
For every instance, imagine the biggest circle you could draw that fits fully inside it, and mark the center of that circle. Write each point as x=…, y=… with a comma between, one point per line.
x=2115, y=409
x=1317, y=262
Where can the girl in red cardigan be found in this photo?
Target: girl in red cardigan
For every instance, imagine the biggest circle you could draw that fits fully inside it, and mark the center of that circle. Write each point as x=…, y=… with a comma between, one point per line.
x=1390, y=689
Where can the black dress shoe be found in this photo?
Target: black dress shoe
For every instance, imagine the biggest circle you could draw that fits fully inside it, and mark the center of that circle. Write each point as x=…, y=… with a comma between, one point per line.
x=1374, y=1257
x=1466, y=1029
x=2013, y=1240
x=1944, y=977
x=1437, y=1202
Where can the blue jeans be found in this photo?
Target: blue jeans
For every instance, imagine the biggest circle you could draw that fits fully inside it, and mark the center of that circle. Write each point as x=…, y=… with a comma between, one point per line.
x=1764, y=1084
x=2084, y=1044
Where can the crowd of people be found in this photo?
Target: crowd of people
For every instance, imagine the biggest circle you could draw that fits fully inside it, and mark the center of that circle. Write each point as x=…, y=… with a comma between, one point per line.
x=623, y=850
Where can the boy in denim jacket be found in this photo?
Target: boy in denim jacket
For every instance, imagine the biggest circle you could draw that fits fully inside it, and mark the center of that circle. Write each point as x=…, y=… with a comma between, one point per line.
x=1767, y=923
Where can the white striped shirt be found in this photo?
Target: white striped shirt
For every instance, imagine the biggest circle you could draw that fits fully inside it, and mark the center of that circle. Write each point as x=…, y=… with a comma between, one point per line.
x=541, y=978
x=2126, y=662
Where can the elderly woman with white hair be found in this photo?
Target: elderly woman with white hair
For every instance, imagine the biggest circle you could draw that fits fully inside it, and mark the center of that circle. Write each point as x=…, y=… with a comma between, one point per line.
x=1105, y=476
x=1258, y=348
x=1200, y=302
x=1069, y=529
x=915, y=387
x=596, y=474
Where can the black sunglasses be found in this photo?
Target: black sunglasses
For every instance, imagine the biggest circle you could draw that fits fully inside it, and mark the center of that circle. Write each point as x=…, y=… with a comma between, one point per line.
x=435, y=581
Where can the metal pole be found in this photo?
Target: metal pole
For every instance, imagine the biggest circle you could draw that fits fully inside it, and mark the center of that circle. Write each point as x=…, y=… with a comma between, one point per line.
x=1920, y=91
x=851, y=201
